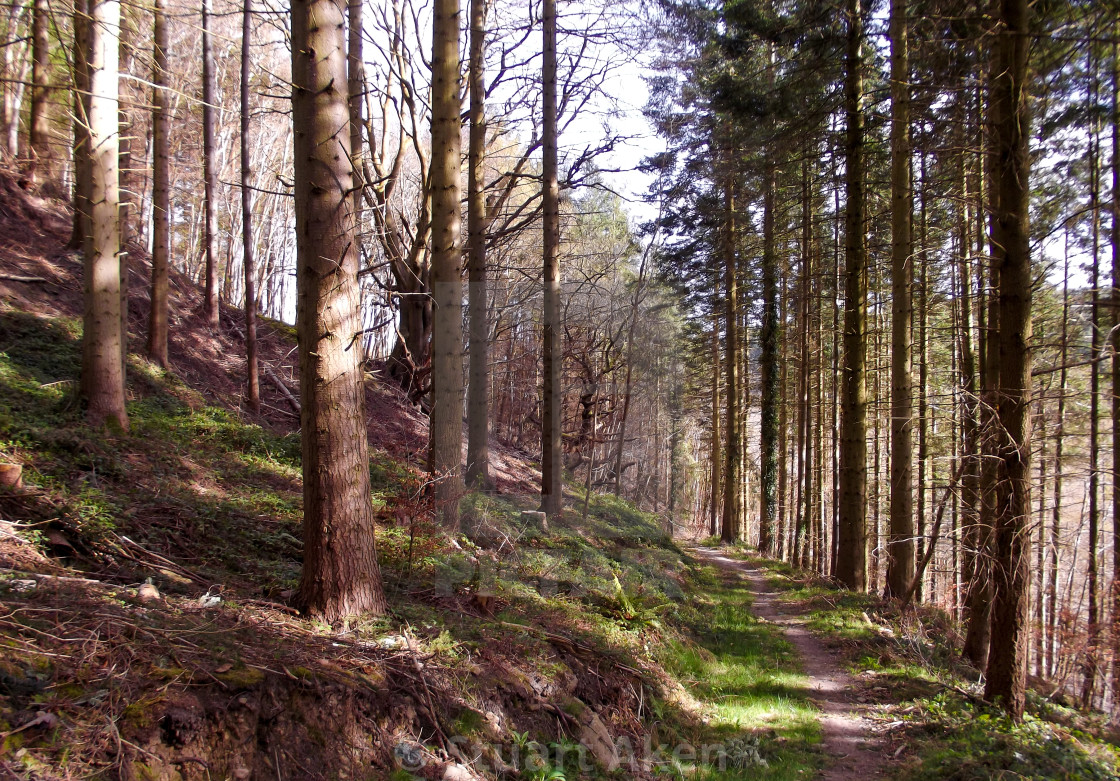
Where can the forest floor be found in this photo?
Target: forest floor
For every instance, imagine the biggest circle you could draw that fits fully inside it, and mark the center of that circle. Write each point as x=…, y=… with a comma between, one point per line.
x=146, y=632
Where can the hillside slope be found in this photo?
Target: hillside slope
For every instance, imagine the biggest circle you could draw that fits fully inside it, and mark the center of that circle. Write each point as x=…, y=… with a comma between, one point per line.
x=144, y=629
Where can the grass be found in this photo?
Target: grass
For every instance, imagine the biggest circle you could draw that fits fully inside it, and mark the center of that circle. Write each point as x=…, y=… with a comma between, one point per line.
x=748, y=677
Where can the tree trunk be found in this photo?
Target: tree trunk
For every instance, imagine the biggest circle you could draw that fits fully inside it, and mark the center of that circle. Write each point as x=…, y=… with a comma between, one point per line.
x=83, y=165
x=770, y=393
x=39, y=166
x=1115, y=343
x=340, y=575
x=730, y=530
x=1091, y=657
x=1011, y=578
x=209, y=173
x=552, y=485
x=717, y=461
x=478, y=390
x=161, y=191
x=900, y=549
x=851, y=567
x=102, y=367
x=252, y=371
x=447, y=286
x=978, y=599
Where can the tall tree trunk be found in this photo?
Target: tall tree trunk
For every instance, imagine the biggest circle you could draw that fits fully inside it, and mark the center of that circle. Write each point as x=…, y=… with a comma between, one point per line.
x=805, y=428
x=851, y=567
x=40, y=156
x=478, y=390
x=1055, y=535
x=970, y=476
x=1011, y=578
x=1089, y=680
x=717, y=461
x=978, y=599
x=83, y=165
x=340, y=574
x=209, y=172
x=102, y=366
x=770, y=392
x=252, y=370
x=730, y=529
x=552, y=486
x=900, y=549
x=923, y=376
x=161, y=190
x=1115, y=343
x=447, y=286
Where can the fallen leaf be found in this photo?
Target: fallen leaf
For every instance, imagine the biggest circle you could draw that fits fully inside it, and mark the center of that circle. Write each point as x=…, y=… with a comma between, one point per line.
x=225, y=668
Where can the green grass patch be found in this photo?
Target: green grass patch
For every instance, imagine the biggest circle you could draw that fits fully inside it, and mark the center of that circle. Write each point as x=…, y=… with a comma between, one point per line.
x=748, y=677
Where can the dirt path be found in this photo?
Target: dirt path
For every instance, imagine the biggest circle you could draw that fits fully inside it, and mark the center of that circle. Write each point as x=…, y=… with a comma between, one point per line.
x=845, y=734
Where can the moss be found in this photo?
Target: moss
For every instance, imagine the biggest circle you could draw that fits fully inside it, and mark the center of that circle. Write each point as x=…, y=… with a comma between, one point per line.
x=242, y=677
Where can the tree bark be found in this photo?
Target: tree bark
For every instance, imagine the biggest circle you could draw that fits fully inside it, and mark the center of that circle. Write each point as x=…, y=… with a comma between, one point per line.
x=478, y=389
x=552, y=485
x=39, y=166
x=1011, y=578
x=209, y=173
x=103, y=375
x=1115, y=343
x=717, y=461
x=851, y=566
x=900, y=546
x=340, y=575
x=730, y=529
x=447, y=286
x=252, y=370
x=161, y=191
x=770, y=392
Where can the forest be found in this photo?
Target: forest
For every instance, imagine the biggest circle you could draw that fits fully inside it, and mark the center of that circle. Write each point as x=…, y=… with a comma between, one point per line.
x=488, y=390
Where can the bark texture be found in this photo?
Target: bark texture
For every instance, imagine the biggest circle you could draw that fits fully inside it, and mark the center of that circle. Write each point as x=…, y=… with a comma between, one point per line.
x=900, y=546
x=340, y=574
x=102, y=382
x=1007, y=658
x=447, y=286
x=478, y=388
x=161, y=190
x=851, y=563
x=252, y=370
x=209, y=172
x=552, y=485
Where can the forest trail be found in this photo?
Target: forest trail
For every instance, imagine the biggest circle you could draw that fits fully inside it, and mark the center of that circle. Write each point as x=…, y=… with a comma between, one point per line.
x=846, y=737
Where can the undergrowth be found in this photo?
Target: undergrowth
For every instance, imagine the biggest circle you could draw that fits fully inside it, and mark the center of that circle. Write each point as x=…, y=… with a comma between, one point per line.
x=599, y=607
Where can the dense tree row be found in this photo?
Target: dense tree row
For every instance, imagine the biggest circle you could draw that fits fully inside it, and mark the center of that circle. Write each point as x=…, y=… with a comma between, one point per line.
x=893, y=187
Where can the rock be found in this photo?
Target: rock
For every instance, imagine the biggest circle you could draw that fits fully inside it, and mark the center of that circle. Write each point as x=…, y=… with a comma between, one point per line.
x=11, y=476
x=393, y=643
x=534, y=517
x=457, y=772
x=596, y=737
x=147, y=594
x=242, y=773
x=209, y=600
x=23, y=586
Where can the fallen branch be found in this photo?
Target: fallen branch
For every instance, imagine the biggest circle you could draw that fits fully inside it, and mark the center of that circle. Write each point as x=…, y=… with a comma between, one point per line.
x=177, y=568
x=28, y=280
x=281, y=386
